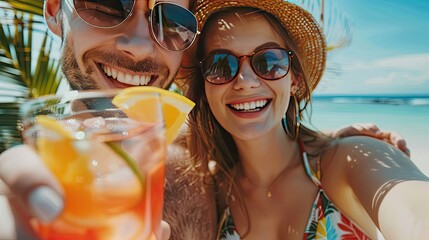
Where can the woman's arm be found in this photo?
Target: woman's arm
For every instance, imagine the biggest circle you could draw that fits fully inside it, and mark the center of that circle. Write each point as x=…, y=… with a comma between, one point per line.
x=404, y=211
x=384, y=181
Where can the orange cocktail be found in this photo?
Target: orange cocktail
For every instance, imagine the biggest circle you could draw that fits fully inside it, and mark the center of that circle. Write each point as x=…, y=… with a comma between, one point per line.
x=104, y=198
x=110, y=165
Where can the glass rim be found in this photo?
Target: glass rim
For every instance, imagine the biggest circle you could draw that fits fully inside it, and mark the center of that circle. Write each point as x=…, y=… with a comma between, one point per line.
x=68, y=96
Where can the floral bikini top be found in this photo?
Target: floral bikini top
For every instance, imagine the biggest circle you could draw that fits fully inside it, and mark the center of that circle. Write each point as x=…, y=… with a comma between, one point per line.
x=325, y=222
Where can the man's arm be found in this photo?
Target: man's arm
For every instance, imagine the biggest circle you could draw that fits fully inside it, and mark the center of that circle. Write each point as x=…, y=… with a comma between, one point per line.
x=189, y=204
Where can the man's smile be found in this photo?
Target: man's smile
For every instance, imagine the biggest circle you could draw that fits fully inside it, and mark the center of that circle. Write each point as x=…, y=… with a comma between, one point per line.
x=126, y=77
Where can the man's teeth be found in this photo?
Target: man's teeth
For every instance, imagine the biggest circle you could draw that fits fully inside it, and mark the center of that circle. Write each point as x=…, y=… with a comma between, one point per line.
x=250, y=106
x=126, y=77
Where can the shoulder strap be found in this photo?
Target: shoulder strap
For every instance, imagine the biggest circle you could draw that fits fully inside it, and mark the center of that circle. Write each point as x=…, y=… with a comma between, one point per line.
x=314, y=176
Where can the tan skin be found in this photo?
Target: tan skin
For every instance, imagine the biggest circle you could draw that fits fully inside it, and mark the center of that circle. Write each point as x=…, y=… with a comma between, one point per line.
x=126, y=48
x=373, y=181
x=374, y=184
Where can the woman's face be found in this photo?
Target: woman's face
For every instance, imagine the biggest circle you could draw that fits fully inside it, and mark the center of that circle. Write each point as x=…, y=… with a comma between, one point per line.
x=248, y=107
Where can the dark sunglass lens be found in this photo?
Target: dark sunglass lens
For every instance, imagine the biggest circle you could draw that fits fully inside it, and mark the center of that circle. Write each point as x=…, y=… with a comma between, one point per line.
x=220, y=68
x=104, y=13
x=271, y=63
x=173, y=26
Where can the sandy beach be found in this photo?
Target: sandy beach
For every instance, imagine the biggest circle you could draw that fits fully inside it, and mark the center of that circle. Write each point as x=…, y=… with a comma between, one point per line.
x=420, y=156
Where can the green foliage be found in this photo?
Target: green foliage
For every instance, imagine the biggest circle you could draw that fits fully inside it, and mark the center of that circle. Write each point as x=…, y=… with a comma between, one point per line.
x=27, y=67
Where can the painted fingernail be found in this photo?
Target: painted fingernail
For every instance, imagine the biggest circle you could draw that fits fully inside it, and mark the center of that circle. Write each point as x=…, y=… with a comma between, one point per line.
x=45, y=203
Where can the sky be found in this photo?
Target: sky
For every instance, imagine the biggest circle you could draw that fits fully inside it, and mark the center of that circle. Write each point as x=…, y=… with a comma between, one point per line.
x=388, y=52
x=389, y=49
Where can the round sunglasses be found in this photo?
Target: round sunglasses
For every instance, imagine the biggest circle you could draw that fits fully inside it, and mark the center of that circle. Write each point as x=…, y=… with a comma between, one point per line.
x=173, y=26
x=268, y=63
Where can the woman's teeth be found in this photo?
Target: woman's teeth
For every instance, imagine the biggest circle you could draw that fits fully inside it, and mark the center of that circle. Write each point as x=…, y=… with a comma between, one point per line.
x=249, y=106
x=126, y=78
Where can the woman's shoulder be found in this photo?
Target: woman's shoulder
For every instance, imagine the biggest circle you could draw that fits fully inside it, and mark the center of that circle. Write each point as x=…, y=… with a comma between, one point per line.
x=349, y=153
x=360, y=139
x=359, y=154
x=359, y=147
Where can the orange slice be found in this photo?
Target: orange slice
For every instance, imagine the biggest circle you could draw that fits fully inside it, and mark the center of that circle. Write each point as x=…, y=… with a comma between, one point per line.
x=51, y=124
x=139, y=106
x=57, y=148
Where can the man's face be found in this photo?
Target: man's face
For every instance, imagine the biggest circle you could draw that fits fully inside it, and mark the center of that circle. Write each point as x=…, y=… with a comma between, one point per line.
x=123, y=56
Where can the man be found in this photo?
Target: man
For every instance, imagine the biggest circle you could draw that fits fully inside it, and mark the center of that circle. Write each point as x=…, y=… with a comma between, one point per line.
x=111, y=54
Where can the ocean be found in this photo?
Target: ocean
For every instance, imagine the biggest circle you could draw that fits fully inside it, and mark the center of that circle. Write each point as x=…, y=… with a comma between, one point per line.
x=407, y=115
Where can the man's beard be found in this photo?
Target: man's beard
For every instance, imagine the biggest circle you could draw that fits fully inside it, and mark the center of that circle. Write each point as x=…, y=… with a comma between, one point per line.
x=79, y=80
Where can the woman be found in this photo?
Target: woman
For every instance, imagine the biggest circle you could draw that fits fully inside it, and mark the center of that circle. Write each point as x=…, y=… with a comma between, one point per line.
x=278, y=179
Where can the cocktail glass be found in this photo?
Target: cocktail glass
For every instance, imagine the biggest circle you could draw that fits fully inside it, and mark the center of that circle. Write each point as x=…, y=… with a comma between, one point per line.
x=110, y=166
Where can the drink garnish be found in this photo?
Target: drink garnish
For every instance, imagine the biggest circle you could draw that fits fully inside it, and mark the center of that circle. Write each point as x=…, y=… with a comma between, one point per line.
x=175, y=107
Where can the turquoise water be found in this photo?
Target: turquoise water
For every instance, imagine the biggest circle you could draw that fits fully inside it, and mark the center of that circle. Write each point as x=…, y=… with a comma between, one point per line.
x=408, y=116
x=405, y=118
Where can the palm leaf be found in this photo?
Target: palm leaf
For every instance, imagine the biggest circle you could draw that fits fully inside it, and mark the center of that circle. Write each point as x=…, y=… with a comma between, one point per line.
x=337, y=27
x=27, y=67
x=335, y=23
x=27, y=6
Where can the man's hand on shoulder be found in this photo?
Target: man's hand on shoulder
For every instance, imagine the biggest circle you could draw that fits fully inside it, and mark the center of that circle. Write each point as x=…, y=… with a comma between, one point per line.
x=372, y=130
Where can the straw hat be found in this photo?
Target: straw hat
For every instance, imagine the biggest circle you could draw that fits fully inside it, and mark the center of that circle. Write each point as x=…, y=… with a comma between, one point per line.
x=300, y=25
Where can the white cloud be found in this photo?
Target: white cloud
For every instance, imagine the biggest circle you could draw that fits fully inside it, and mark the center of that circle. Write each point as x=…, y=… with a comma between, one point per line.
x=404, y=74
x=410, y=61
x=381, y=80
x=411, y=69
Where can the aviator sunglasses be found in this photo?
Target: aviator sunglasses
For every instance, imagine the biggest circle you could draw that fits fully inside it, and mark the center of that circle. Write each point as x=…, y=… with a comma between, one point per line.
x=173, y=26
x=268, y=63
